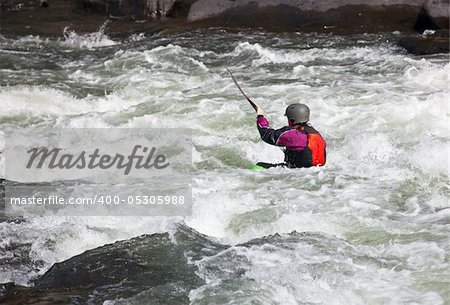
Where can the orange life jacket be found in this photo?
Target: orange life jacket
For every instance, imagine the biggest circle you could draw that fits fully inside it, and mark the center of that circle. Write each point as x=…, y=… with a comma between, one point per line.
x=316, y=144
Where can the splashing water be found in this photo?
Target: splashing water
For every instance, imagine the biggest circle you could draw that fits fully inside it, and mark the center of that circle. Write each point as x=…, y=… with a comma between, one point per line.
x=377, y=215
x=87, y=41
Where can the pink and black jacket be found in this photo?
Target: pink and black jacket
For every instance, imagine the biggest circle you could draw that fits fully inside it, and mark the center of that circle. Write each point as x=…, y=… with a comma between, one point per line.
x=304, y=146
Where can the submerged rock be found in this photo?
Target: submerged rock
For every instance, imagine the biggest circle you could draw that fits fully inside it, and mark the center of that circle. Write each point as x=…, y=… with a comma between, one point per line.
x=436, y=42
x=164, y=269
x=157, y=265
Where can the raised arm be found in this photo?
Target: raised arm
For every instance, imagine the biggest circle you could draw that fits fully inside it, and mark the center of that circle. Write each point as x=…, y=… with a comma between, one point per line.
x=268, y=134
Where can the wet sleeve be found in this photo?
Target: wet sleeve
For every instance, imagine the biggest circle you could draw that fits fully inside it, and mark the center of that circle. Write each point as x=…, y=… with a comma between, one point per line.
x=268, y=134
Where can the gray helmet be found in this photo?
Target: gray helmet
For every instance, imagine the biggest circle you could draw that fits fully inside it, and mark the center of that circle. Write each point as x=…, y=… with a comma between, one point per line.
x=297, y=113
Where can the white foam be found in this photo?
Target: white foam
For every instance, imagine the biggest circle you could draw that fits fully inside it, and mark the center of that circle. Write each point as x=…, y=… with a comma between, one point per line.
x=37, y=101
x=429, y=76
x=432, y=157
x=419, y=254
x=87, y=41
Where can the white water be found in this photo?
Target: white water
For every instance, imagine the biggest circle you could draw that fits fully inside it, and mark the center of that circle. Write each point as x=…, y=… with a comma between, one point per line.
x=385, y=188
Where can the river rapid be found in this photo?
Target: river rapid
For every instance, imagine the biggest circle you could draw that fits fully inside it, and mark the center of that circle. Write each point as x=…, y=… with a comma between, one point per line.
x=370, y=227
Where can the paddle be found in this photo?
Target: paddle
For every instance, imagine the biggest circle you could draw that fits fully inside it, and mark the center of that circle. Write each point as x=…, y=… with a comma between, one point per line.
x=243, y=93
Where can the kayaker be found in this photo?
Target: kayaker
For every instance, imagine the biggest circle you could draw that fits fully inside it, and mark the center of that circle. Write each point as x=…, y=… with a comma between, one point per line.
x=304, y=146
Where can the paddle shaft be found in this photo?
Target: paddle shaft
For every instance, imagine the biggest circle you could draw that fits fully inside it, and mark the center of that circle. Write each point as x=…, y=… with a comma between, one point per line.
x=243, y=93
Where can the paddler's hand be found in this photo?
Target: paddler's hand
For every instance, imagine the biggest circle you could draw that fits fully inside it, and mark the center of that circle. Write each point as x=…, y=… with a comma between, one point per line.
x=259, y=111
